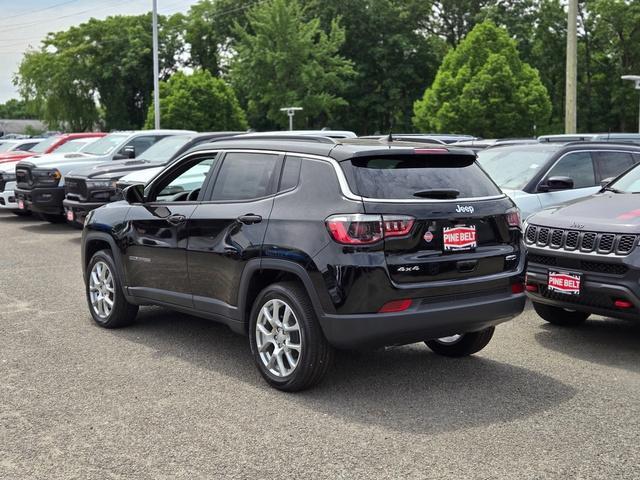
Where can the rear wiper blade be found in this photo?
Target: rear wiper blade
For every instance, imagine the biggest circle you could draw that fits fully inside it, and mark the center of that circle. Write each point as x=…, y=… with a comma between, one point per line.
x=438, y=193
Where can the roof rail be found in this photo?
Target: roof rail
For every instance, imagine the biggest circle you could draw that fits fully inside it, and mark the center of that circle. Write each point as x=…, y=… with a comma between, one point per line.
x=629, y=143
x=292, y=137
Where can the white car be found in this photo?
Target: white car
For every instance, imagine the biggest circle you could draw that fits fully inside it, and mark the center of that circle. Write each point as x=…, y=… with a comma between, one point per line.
x=545, y=175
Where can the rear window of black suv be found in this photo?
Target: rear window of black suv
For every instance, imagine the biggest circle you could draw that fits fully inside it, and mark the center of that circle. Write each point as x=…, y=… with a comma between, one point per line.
x=401, y=177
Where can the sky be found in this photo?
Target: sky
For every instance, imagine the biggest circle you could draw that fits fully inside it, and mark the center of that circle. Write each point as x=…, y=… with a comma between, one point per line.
x=23, y=23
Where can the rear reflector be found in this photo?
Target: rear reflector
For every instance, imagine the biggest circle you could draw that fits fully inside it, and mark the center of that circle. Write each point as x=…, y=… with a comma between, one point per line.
x=532, y=288
x=623, y=303
x=517, y=287
x=396, y=306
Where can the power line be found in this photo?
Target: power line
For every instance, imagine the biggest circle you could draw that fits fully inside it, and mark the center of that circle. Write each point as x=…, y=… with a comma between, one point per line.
x=39, y=10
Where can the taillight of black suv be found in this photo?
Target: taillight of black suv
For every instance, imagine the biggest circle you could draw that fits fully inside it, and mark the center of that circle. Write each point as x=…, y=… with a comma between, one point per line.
x=307, y=244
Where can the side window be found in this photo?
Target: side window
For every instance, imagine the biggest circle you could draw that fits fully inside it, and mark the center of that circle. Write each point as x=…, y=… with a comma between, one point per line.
x=244, y=176
x=140, y=144
x=26, y=146
x=290, y=173
x=612, y=164
x=184, y=184
x=578, y=166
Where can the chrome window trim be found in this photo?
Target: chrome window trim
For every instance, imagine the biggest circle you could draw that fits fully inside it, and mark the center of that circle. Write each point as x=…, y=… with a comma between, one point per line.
x=593, y=160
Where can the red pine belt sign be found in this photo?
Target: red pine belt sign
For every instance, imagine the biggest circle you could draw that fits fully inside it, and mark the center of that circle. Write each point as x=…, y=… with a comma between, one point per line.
x=563, y=282
x=461, y=237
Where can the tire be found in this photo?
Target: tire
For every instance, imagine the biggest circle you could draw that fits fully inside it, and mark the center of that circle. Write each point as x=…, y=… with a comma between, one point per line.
x=52, y=218
x=311, y=360
x=121, y=313
x=465, y=344
x=560, y=316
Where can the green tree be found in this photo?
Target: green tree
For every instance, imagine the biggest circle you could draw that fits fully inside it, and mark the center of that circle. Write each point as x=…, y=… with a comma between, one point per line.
x=482, y=87
x=392, y=55
x=283, y=60
x=198, y=102
x=101, y=67
x=17, y=109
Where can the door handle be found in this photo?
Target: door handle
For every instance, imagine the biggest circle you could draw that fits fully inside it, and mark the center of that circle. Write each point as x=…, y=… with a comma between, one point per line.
x=249, y=219
x=176, y=219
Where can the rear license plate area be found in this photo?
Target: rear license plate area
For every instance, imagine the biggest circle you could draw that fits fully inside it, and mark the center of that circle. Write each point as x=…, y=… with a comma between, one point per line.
x=459, y=238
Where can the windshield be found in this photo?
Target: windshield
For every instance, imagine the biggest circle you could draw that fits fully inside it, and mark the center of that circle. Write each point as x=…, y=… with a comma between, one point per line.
x=412, y=177
x=6, y=146
x=72, y=146
x=105, y=145
x=513, y=168
x=44, y=145
x=165, y=149
x=628, y=183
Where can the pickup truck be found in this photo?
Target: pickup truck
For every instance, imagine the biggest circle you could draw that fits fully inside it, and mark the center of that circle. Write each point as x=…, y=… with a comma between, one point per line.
x=89, y=188
x=47, y=145
x=40, y=181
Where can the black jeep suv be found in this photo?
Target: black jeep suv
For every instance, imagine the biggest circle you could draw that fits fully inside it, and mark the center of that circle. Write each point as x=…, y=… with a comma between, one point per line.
x=583, y=257
x=307, y=244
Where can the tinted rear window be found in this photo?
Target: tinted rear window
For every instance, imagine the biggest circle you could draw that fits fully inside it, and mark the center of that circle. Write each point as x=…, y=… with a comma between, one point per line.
x=401, y=177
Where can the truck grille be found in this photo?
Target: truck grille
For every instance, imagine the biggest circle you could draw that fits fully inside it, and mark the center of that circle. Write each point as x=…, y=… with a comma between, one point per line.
x=75, y=188
x=570, y=240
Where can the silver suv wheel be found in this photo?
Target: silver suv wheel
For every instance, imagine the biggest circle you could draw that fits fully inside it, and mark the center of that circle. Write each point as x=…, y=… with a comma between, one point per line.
x=278, y=338
x=101, y=289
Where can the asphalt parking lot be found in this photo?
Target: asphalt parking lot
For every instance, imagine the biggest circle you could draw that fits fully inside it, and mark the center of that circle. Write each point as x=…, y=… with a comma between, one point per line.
x=175, y=396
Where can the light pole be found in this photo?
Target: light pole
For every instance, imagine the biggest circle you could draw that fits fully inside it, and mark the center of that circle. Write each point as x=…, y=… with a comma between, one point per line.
x=291, y=111
x=156, y=74
x=636, y=79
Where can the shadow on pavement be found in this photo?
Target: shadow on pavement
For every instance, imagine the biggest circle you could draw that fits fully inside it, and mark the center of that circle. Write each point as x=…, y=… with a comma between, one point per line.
x=605, y=341
x=406, y=388
x=8, y=217
x=48, y=228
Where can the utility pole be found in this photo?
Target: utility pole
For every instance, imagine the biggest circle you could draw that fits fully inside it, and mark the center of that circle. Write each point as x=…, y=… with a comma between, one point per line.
x=156, y=68
x=572, y=69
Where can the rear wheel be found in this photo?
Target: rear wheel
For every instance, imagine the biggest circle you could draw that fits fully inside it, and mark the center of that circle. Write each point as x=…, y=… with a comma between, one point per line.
x=560, y=316
x=107, y=304
x=461, y=345
x=287, y=343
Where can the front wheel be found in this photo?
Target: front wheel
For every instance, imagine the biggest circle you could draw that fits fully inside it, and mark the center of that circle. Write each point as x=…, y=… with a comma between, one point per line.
x=287, y=343
x=560, y=316
x=107, y=303
x=462, y=344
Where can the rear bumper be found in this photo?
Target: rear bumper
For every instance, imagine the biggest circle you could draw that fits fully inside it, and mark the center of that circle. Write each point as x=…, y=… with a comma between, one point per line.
x=424, y=321
x=79, y=210
x=42, y=200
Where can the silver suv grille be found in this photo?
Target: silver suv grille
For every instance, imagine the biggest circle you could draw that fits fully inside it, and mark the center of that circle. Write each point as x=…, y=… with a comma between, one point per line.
x=572, y=240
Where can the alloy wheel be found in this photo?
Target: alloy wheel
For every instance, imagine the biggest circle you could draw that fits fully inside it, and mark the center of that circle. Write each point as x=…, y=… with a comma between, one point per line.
x=101, y=289
x=278, y=338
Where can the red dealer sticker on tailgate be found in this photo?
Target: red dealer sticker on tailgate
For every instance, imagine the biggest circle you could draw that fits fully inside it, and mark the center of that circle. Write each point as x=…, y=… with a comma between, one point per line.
x=462, y=237
x=564, y=282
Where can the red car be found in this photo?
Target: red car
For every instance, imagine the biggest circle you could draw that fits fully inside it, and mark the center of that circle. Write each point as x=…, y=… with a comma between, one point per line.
x=46, y=146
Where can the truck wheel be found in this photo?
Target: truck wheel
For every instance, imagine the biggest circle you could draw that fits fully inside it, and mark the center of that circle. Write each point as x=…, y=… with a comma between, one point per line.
x=560, y=316
x=461, y=345
x=107, y=304
x=287, y=343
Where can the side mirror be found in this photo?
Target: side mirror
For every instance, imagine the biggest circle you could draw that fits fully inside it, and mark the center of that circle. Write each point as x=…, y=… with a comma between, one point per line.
x=556, y=184
x=134, y=194
x=129, y=151
x=606, y=181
